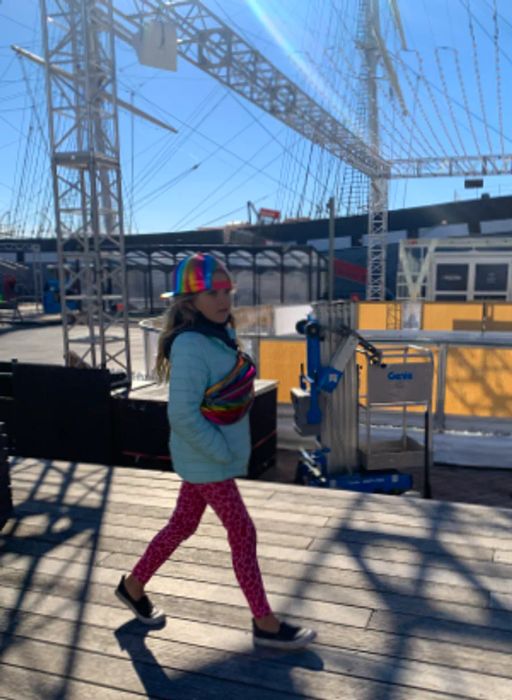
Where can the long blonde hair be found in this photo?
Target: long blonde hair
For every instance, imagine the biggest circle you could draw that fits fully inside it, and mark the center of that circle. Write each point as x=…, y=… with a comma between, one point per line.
x=181, y=314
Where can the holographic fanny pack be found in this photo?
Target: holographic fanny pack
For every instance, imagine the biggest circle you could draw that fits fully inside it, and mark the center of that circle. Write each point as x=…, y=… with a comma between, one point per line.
x=228, y=400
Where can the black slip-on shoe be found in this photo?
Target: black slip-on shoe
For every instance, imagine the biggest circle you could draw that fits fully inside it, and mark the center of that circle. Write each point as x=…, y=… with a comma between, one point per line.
x=143, y=609
x=287, y=637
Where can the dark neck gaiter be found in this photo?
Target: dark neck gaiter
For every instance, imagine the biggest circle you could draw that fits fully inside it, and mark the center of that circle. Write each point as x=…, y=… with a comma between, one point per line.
x=206, y=327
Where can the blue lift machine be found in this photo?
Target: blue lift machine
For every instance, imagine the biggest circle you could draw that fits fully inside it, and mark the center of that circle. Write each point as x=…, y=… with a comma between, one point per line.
x=312, y=469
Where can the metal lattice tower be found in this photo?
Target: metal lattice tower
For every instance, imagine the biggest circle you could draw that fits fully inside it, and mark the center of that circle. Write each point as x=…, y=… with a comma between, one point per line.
x=82, y=110
x=378, y=191
x=377, y=239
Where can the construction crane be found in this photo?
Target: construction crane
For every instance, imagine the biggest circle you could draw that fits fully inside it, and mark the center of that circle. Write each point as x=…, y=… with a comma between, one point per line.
x=262, y=215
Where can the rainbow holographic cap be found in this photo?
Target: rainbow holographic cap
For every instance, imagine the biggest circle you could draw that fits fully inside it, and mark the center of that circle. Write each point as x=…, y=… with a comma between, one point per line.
x=195, y=273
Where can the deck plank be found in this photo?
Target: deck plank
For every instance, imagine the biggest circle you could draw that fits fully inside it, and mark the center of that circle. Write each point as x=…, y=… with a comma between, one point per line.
x=411, y=598
x=190, y=629
x=195, y=564
x=407, y=563
x=354, y=529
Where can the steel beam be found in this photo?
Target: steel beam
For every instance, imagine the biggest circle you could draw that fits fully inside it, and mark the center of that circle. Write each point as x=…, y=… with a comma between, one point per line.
x=207, y=42
x=460, y=166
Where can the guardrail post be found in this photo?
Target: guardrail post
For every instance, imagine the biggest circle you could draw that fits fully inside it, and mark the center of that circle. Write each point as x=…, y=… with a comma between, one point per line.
x=6, y=506
x=439, y=415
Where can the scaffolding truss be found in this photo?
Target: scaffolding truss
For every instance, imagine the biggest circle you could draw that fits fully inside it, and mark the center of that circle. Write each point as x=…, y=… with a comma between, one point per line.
x=82, y=110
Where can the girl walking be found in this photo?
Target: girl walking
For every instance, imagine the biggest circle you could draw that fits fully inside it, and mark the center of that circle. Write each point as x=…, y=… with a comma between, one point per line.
x=210, y=394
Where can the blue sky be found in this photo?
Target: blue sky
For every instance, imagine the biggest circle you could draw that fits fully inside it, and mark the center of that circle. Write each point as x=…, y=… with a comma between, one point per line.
x=453, y=74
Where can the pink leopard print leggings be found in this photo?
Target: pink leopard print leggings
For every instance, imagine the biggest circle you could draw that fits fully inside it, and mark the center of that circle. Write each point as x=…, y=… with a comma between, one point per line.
x=225, y=499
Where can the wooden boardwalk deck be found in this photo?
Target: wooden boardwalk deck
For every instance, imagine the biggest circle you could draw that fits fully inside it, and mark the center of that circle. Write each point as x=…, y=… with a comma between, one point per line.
x=412, y=600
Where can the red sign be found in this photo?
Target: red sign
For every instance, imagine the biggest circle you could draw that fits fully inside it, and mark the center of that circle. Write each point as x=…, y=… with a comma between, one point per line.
x=350, y=271
x=270, y=214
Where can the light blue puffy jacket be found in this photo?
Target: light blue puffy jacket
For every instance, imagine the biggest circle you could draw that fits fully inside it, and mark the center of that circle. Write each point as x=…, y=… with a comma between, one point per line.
x=202, y=451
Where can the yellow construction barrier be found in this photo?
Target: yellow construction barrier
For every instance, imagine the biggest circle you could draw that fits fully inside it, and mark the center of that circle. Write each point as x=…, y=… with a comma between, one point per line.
x=456, y=316
x=281, y=360
x=436, y=315
x=479, y=382
x=375, y=315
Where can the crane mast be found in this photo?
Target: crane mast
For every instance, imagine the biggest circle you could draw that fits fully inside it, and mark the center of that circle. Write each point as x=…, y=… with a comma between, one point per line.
x=82, y=115
x=374, y=50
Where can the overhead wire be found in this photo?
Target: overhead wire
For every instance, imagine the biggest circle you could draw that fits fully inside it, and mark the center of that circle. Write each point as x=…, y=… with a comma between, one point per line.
x=350, y=78
x=291, y=164
x=434, y=103
x=194, y=120
x=166, y=186
x=413, y=114
x=244, y=182
x=497, y=63
x=205, y=159
x=282, y=171
x=441, y=149
x=161, y=188
x=209, y=139
x=349, y=184
x=35, y=173
x=397, y=133
x=484, y=30
x=452, y=101
x=130, y=187
x=200, y=206
x=335, y=79
x=462, y=86
x=469, y=111
x=314, y=18
x=326, y=163
x=44, y=227
x=358, y=189
x=222, y=217
x=305, y=181
x=18, y=178
x=273, y=138
x=230, y=176
x=437, y=50
x=174, y=143
x=478, y=76
x=145, y=201
x=435, y=88
x=266, y=165
x=7, y=68
x=21, y=188
x=259, y=120
x=293, y=173
x=155, y=165
x=319, y=170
